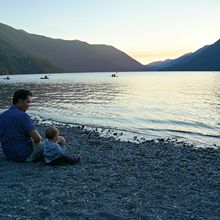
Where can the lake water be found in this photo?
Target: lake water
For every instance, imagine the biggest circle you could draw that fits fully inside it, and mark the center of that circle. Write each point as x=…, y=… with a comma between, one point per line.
x=185, y=105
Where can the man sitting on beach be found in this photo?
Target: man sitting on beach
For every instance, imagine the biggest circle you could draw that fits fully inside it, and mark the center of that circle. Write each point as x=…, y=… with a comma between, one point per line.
x=19, y=138
x=53, y=152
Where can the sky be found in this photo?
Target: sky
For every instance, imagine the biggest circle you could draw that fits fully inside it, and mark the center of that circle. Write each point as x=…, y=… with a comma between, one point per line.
x=147, y=30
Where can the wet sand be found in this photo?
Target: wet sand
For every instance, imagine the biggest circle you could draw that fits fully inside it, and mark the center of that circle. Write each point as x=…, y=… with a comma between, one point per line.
x=159, y=179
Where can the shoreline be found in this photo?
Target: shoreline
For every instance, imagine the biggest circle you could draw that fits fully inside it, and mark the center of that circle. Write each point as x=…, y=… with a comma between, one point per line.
x=156, y=179
x=123, y=134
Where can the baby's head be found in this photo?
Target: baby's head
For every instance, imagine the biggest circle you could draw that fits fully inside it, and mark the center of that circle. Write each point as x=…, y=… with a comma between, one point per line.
x=52, y=133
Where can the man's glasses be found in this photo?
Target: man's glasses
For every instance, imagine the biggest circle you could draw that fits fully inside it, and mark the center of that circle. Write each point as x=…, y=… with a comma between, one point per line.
x=27, y=101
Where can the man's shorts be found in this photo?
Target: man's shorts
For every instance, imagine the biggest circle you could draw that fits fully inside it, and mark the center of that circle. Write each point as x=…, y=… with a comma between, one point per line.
x=36, y=154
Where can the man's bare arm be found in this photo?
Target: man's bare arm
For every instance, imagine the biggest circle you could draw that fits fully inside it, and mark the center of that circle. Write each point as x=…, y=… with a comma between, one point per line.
x=35, y=136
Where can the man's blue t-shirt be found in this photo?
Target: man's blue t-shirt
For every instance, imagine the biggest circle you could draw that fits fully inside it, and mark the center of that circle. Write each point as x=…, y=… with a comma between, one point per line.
x=14, y=128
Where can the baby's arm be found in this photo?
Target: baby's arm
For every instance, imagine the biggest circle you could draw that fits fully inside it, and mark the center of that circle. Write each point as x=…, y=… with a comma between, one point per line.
x=61, y=140
x=61, y=149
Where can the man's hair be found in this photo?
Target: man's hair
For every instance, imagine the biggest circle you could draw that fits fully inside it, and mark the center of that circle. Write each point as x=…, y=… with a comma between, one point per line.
x=51, y=132
x=21, y=94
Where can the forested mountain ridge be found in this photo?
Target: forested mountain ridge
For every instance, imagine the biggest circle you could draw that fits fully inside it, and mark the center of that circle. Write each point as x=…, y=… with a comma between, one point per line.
x=67, y=55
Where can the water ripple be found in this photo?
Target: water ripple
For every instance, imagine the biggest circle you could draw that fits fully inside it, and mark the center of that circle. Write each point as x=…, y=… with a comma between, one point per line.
x=161, y=104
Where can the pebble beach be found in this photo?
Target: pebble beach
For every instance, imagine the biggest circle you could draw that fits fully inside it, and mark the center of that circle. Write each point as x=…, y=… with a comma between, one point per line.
x=156, y=179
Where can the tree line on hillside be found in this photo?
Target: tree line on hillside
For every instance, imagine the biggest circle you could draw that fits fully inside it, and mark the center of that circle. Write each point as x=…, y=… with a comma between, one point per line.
x=14, y=62
x=22, y=52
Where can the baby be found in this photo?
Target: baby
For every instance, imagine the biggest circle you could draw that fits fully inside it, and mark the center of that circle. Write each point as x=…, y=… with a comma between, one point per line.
x=53, y=152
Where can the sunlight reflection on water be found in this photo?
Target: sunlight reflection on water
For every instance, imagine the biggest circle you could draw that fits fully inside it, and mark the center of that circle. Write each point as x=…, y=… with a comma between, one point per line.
x=153, y=104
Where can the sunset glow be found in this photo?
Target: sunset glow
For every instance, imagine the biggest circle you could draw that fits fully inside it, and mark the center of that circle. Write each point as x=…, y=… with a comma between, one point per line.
x=144, y=29
x=147, y=57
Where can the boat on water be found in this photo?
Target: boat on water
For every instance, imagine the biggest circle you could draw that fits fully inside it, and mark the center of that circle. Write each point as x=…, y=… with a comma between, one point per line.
x=45, y=77
x=7, y=78
x=114, y=74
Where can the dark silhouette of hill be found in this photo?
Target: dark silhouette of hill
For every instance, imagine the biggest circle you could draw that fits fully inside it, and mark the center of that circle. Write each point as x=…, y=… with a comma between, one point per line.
x=205, y=59
x=22, y=52
x=14, y=61
x=69, y=56
x=157, y=65
x=169, y=63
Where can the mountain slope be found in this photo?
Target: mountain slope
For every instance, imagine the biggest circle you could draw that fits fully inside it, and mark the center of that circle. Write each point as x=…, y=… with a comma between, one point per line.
x=70, y=56
x=204, y=59
x=14, y=61
x=169, y=63
x=157, y=65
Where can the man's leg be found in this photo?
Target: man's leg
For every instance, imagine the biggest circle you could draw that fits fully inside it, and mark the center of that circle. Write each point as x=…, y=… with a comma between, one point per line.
x=37, y=153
